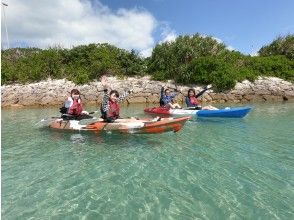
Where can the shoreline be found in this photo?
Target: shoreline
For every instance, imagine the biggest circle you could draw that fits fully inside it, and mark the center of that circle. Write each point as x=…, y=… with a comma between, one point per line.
x=54, y=92
x=145, y=105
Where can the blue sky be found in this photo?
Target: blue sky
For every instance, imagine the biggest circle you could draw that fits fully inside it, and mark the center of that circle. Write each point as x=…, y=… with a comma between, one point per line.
x=246, y=25
x=243, y=25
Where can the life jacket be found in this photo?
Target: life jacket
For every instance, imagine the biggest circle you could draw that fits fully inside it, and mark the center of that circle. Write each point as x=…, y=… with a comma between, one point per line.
x=194, y=100
x=74, y=106
x=113, y=111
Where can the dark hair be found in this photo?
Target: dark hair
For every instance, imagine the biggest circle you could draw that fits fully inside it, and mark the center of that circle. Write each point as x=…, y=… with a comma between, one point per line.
x=191, y=90
x=75, y=91
x=114, y=92
x=165, y=90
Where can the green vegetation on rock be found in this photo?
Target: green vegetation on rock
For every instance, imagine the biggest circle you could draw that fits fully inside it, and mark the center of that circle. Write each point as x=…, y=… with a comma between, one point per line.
x=195, y=59
x=280, y=46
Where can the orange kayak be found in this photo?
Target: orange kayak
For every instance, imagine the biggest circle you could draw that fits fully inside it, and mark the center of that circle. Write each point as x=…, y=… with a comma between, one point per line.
x=131, y=126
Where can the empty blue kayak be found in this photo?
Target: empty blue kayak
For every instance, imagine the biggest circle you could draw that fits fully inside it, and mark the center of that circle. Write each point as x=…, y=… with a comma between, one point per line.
x=238, y=112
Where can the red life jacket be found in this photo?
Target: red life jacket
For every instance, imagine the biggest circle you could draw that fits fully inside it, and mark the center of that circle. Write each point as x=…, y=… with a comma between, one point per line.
x=194, y=100
x=76, y=107
x=113, y=111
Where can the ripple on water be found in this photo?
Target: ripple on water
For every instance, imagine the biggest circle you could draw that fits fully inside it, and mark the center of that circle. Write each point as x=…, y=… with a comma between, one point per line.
x=212, y=169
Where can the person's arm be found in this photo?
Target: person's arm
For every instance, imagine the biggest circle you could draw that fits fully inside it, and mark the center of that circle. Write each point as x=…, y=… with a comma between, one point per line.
x=203, y=91
x=68, y=102
x=124, y=96
x=162, y=92
x=81, y=105
x=83, y=111
x=105, y=99
x=174, y=94
x=188, y=103
x=105, y=104
x=162, y=99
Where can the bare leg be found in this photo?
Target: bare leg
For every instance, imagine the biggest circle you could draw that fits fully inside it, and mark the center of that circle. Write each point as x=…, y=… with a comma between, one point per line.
x=209, y=107
x=175, y=105
x=170, y=105
x=213, y=108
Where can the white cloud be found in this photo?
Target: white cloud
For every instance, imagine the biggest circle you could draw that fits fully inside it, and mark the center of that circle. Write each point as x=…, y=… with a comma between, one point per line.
x=168, y=34
x=230, y=48
x=220, y=41
x=217, y=40
x=72, y=22
x=254, y=54
x=170, y=37
x=147, y=52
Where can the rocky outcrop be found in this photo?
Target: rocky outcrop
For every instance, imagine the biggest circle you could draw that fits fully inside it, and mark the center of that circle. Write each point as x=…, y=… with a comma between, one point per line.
x=54, y=92
x=264, y=89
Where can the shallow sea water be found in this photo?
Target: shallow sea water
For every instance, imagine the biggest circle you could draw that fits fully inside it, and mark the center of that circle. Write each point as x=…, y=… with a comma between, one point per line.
x=211, y=169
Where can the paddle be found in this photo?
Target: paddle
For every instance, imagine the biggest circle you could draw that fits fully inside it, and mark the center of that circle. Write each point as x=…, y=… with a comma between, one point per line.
x=90, y=113
x=56, y=117
x=46, y=119
x=203, y=91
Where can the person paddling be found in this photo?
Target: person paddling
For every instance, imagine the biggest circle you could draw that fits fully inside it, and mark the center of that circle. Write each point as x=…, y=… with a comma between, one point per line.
x=109, y=106
x=166, y=98
x=73, y=108
x=192, y=101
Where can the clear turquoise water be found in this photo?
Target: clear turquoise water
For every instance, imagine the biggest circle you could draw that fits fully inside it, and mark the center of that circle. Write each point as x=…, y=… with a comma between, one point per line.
x=212, y=169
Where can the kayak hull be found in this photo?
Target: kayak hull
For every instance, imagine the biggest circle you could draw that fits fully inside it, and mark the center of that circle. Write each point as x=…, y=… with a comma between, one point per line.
x=237, y=112
x=126, y=126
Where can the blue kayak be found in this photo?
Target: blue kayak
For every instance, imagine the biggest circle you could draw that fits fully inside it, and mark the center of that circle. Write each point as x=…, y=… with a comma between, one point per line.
x=238, y=112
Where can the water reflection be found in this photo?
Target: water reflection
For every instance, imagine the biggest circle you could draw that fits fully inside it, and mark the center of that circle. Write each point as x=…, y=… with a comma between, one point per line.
x=109, y=139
